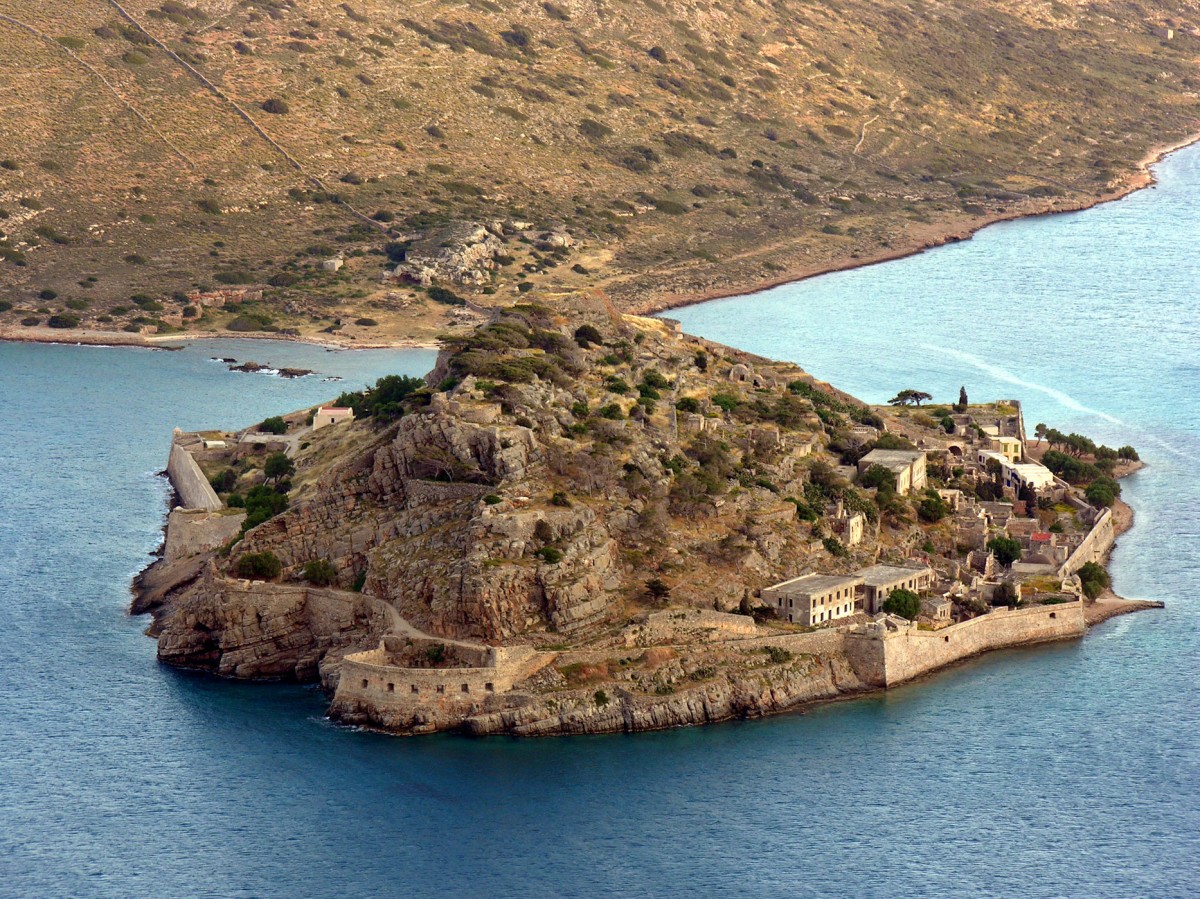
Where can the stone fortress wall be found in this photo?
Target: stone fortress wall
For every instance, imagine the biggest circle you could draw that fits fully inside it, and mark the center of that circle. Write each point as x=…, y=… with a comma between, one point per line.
x=189, y=481
x=884, y=655
x=1095, y=545
x=372, y=679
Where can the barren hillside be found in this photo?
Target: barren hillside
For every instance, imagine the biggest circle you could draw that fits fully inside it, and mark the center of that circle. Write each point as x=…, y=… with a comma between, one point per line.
x=151, y=152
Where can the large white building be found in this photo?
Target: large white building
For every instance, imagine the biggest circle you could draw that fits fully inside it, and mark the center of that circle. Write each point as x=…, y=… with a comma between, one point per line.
x=813, y=598
x=1017, y=475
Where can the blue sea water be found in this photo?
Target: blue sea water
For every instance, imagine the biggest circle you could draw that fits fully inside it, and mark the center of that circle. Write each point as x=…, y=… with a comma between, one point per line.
x=1066, y=770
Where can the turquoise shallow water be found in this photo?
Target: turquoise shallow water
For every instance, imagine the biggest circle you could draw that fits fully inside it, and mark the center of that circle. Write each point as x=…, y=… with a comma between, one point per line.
x=1069, y=770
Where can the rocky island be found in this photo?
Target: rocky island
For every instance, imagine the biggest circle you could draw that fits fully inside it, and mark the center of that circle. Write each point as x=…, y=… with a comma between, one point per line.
x=586, y=521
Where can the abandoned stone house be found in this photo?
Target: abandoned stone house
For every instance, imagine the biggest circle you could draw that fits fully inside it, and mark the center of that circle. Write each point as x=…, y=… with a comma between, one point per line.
x=849, y=526
x=879, y=581
x=1016, y=476
x=744, y=374
x=907, y=465
x=813, y=598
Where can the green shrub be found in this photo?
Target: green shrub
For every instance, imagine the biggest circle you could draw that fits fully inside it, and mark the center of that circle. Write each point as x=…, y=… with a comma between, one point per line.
x=273, y=425
x=212, y=207
x=5, y=305
x=224, y=481
x=366, y=322
x=726, y=401
x=62, y=320
x=320, y=573
x=492, y=499
x=1094, y=578
x=904, y=603
x=612, y=412
x=444, y=296
x=835, y=548
x=586, y=335
x=276, y=106
x=262, y=503
x=777, y=655
x=261, y=566
x=550, y=555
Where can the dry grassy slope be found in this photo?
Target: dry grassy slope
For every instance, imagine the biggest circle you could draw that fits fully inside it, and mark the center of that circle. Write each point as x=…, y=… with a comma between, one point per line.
x=854, y=126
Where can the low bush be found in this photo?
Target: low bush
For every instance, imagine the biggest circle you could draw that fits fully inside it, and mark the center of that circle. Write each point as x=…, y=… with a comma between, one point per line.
x=260, y=566
x=320, y=573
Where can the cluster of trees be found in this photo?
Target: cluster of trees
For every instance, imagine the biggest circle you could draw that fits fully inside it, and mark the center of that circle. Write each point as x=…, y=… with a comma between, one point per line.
x=384, y=401
x=1103, y=491
x=1078, y=446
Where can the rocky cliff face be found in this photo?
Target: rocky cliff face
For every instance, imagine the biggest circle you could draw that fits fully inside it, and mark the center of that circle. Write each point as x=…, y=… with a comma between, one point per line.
x=530, y=498
x=253, y=630
x=730, y=695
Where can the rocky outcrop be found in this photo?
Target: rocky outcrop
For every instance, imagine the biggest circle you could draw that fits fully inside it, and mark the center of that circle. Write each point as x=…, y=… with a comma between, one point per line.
x=766, y=692
x=460, y=253
x=255, y=630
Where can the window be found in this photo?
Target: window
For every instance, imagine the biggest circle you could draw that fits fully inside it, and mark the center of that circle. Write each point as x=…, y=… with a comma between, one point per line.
x=416, y=689
x=391, y=688
x=490, y=688
x=365, y=683
x=466, y=688
x=441, y=688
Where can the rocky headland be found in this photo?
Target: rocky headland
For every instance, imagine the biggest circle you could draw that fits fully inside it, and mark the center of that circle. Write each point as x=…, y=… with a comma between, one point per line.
x=567, y=526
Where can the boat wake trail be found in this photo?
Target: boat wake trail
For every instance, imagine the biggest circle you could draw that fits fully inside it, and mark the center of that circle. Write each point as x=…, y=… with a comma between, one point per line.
x=1058, y=396
x=1001, y=374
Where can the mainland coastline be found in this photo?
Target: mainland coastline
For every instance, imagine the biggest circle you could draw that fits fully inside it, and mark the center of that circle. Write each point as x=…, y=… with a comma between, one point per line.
x=928, y=238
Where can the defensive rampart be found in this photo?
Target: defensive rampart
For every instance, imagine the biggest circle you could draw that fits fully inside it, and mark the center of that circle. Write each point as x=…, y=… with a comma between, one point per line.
x=371, y=679
x=189, y=481
x=1095, y=545
x=884, y=656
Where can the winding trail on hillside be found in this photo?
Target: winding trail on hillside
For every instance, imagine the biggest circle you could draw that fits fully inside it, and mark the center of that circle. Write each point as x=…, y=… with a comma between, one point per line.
x=17, y=23
x=241, y=113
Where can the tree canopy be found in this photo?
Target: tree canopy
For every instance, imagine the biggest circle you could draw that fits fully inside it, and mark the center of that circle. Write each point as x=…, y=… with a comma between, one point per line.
x=910, y=398
x=1006, y=550
x=904, y=603
x=277, y=466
